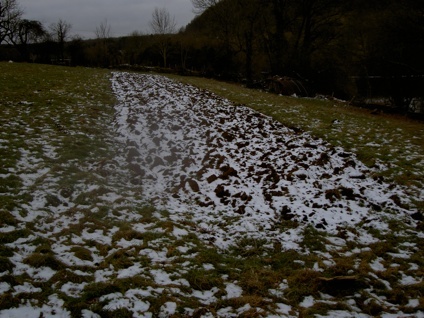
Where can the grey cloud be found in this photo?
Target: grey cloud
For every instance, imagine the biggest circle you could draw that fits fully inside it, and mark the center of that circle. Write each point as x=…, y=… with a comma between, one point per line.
x=124, y=16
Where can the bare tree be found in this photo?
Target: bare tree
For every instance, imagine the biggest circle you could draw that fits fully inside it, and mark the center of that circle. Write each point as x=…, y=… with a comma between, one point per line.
x=102, y=47
x=201, y=5
x=60, y=32
x=103, y=30
x=10, y=15
x=162, y=25
x=162, y=22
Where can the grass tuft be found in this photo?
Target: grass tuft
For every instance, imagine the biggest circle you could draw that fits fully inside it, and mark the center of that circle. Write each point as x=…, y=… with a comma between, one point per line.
x=5, y=251
x=258, y=281
x=82, y=253
x=44, y=260
x=5, y=264
x=6, y=218
x=201, y=279
x=128, y=234
x=94, y=291
x=120, y=259
x=65, y=275
x=8, y=301
x=117, y=313
x=302, y=283
x=10, y=237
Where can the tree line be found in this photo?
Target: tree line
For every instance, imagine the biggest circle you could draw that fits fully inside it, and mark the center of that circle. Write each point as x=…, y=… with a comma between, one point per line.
x=30, y=40
x=344, y=48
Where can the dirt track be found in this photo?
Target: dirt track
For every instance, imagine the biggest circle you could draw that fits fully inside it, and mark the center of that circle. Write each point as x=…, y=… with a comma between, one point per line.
x=187, y=146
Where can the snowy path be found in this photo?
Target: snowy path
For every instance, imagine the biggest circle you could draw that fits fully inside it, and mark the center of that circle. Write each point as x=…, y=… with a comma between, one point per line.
x=186, y=146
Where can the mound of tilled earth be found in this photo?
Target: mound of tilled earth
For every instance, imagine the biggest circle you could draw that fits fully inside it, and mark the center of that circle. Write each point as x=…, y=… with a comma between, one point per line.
x=235, y=170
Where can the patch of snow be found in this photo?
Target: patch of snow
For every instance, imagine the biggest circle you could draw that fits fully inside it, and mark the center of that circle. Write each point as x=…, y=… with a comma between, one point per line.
x=131, y=271
x=208, y=266
x=179, y=233
x=413, y=266
x=408, y=280
x=25, y=288
x=4, y=287
x=336, y=240
x=283, y=309
x=155, y=256
x=226, y=312
x=307, y=302
x=400, y=314
x=243, y=309
x=233, y=291
x=404, y=255
x=7, y=229
x=104, y=275
x=342, y=314
x=279, y=292
x=317, y=268
x=385, y=282
x=129, y=301
x=73, y=289
x=163, y=278
x=167, y=309
x=125, y=244
x=97, y=236
x=206, y=297
x=89, y=314
x=413, y=303
x=183, y=249
x=377, y=266
x=54, y=308
x=41, y=274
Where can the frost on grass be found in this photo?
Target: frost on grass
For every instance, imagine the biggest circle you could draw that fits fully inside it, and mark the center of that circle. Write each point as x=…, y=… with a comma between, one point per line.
x=79, y=237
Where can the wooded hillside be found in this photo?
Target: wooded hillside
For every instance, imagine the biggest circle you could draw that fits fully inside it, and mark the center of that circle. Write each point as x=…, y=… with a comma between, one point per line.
x=327, y=42
x=346, y=49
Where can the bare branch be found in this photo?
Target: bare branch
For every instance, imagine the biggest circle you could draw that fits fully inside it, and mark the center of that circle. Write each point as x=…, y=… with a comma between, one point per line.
x=10, y=15
x=60, y=30
x=201, y=5
x=103, y=30
x=162, y=22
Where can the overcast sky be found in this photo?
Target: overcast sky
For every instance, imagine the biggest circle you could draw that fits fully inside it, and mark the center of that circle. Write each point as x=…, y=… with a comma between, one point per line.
x=123, y=16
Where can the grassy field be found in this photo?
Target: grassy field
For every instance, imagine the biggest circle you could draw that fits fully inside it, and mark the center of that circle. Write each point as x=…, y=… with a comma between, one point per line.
x=58, y=120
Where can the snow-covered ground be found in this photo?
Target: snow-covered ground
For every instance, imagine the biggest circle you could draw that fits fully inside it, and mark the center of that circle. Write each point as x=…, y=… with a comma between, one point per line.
x=220, y=171
x=235, y=163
